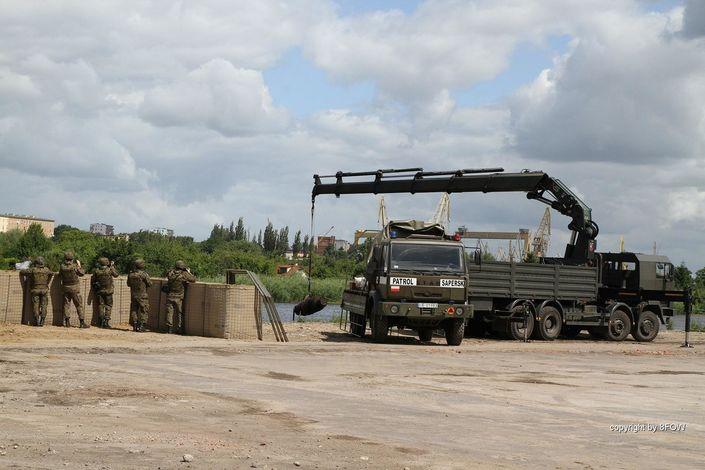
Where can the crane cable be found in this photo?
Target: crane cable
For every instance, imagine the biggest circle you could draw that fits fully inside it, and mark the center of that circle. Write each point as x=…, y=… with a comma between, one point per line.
x=309, y=247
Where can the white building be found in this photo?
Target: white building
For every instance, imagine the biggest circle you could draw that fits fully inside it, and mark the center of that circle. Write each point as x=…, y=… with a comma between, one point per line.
x=104, y=230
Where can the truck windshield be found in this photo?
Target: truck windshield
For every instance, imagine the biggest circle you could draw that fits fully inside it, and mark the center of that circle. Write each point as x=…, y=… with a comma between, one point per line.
x=426, y=257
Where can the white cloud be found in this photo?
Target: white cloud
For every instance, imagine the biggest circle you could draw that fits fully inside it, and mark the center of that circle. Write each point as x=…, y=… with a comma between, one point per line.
x=627, y=91
x=157, y=114
x=217, y=96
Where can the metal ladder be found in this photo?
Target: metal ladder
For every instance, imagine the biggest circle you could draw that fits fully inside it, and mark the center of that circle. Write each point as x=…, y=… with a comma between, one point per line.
x=266, y=297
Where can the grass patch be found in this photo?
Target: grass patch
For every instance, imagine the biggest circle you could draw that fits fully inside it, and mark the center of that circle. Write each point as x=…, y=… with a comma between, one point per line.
x=293, y=289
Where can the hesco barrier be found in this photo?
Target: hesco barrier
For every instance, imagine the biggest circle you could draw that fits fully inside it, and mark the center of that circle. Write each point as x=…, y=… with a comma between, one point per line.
x=215, y=310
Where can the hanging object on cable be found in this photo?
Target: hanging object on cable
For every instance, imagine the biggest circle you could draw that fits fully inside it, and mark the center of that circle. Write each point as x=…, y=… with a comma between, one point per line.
x=311, y=303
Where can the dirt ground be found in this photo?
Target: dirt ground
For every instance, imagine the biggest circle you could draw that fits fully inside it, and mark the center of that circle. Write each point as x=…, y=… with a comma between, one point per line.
x=94, y=398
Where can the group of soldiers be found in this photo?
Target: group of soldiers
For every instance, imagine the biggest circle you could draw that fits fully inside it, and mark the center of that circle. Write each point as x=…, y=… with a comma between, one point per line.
x=38, y=277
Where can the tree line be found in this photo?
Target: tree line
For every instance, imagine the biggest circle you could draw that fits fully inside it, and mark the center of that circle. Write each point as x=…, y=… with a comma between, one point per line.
x=227, y=247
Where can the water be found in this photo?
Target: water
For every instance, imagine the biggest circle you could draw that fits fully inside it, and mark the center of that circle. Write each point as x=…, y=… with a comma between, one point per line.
x=679, y=321
x=331, y=310
x=285, y=312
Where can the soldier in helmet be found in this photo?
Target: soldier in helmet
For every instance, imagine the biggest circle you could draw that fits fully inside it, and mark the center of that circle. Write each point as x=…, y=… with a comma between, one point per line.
x=70, y=272
x=177, y=279
x=102, y=282
x=38, y=277
x=138, y=281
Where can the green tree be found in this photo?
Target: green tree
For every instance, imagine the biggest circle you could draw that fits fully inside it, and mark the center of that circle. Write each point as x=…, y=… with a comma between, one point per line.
x=282, y=240
x=269, y=242
x=61, y=228
x=297, y=245
x=9, y=242
x=33, y=242
x=240, y=230
x=682, y=276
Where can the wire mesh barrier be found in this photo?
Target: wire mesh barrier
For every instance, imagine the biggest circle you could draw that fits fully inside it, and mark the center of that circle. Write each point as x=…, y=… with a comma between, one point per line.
x=210, y=309
x=262, y=297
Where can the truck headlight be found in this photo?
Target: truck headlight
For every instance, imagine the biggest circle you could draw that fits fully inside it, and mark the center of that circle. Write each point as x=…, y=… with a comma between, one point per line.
x=394, y=309
x=459, y=310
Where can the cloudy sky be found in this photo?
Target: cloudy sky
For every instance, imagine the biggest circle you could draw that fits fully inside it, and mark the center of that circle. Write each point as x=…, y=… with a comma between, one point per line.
x=184, y=114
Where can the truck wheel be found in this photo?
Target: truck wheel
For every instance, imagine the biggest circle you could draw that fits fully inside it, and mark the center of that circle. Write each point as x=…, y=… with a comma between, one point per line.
x=516, y=330
x=548, y=326
x=619, y=326
x=646, y=327
x=425, y=334
x=571, y=332
x=380, y=328
x=455, y=331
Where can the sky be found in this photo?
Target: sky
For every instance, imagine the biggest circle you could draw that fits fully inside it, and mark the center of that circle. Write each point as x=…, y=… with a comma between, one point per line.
x=184, y=114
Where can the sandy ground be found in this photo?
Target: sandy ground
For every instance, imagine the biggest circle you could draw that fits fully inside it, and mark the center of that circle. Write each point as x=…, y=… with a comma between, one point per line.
x=73, y=398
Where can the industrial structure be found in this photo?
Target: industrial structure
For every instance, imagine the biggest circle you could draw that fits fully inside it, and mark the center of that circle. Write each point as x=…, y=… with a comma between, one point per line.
x=22, y=222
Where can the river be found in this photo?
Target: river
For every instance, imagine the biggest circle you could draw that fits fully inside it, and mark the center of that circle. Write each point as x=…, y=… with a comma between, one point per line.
x=331, y=311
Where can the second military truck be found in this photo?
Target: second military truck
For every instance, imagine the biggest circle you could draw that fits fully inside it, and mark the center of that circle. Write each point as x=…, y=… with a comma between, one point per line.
x=416, y=278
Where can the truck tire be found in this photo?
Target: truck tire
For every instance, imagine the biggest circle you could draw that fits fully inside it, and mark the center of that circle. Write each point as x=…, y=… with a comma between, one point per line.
x=516, y=330
x=380, y=328
x=619, y=326
x=571, y=331
x=425, y=334
x=455, y=331
x=549, y=323
x=646, y=328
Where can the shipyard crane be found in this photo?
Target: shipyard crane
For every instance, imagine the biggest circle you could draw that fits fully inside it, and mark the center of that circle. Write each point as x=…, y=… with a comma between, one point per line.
x=542, y=236
x=442, y=214
x=536, y=184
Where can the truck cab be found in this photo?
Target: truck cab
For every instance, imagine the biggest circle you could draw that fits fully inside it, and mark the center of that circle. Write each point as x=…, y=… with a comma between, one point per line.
x=416, y=277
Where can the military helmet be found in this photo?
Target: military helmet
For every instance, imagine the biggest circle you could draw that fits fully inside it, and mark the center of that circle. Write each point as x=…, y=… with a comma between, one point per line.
x=39, y=261
x=103, y=261
x=139, y=263
x=180, y=265
x=68, y=256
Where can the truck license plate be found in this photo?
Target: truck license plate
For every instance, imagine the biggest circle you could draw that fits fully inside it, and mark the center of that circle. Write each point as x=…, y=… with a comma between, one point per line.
x=427, y=305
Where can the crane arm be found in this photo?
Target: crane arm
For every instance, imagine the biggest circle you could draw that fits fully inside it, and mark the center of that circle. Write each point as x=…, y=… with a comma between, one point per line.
x=536, y=184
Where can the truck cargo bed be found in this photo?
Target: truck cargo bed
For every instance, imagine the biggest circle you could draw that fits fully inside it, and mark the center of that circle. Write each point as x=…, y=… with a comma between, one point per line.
x=497, y=279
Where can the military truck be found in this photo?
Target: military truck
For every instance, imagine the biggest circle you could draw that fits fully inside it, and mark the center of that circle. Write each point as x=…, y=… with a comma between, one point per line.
x=609, y=294
x=624, y=293
x=416, y=277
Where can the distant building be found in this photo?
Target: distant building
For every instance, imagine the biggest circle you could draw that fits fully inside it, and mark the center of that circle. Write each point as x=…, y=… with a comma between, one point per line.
x=342, y=245
x=323, y=243
x=104, y=230
x=22, y=222
x=167, y=232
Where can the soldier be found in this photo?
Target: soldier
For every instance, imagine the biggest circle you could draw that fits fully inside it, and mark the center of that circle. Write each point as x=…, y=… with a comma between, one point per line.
x=177, y=279
x=138, y=281
x=38, y=277
x=70, y=271
x=102, y=282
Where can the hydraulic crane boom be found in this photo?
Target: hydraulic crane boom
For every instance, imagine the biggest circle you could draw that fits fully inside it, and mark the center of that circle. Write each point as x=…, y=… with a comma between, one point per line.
x=536, y=184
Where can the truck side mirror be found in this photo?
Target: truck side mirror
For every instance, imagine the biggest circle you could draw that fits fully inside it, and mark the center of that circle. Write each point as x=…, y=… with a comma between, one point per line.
x=477, y=257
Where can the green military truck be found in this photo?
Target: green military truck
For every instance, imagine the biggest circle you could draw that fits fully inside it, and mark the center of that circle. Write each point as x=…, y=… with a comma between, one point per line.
x=625, y=293
x=416, y=277
x=611, y=295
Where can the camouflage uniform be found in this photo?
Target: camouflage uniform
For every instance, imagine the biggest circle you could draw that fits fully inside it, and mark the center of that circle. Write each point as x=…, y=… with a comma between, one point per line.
x=177, y=279
x=138, y=281
x=70, y=271
x=38, y=277
x=102, y=282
